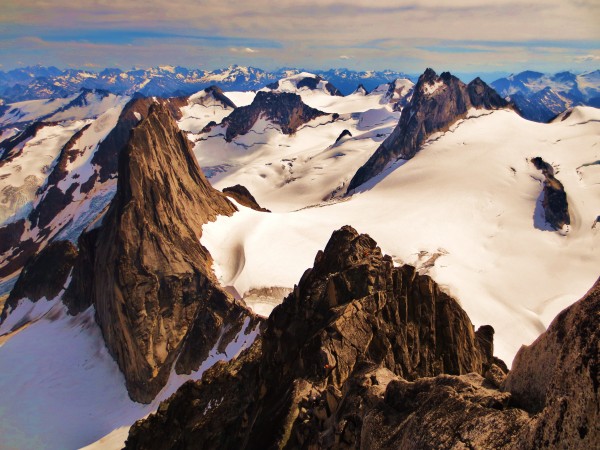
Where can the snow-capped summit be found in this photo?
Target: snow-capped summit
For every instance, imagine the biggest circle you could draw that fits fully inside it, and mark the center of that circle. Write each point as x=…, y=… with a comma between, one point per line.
x=360, y=90
x=540, y=97
x=303, y=82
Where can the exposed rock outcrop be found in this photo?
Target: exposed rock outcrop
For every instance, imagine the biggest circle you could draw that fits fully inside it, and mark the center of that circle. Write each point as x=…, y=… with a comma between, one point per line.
x=243, y=196
x=313, y=83
x=354, y=358
x=44, y=275
x=352, y=313
x=149, y=278
x=342, y=135
x=15, y=251
x=554, y=201
x=437, y=102
x=215, y=94
x=361, y=90
x=283, y=109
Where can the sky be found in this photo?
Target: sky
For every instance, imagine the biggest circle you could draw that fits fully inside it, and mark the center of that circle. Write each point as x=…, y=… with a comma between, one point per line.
x=461, y=35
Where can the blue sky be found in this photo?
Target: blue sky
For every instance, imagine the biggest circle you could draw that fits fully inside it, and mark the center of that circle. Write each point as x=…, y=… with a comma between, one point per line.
x=462, y=36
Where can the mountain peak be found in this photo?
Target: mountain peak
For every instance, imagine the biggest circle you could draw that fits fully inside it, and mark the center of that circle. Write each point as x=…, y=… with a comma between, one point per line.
x=145, y=270
x=282, y=108
x=437, y=102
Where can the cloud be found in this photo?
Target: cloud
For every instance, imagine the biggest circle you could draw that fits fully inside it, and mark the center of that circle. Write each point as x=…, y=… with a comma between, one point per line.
x=587, y=58
x=242, y=50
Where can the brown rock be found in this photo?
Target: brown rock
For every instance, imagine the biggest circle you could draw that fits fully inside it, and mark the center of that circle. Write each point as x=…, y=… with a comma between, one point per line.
x=284, y=109
x=150, y=279
x=558, y=377
x=243, y=196
x=353, y=323
x=437, y=103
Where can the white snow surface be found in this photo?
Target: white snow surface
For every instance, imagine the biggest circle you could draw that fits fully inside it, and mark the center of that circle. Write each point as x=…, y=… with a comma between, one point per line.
x=60, y=387
x=307, y=168
x=471, y=195
x=20, y=177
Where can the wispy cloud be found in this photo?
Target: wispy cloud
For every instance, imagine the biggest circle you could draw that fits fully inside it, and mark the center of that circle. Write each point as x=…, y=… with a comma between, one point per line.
x=587, y=58
x=243, y=50
x=401, y=34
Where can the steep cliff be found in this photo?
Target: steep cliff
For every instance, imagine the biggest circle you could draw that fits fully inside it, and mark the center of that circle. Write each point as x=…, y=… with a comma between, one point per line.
x=558, y=376
x=149, y=278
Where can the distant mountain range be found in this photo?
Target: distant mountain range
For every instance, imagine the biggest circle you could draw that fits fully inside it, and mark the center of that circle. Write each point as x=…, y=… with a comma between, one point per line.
x=39, y=82
x=541, y=97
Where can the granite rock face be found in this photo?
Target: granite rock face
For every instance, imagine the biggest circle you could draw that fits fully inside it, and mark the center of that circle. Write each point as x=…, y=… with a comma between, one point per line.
x=364, y=355
x=283, y=109
x=351, y=315
x=144, y=269
x=437, y=102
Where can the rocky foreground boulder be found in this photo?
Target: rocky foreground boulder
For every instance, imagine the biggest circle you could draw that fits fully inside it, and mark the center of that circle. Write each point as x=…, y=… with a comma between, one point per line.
x=437, y=102
x=365, y=355
x=352, y=325
x=150, y=280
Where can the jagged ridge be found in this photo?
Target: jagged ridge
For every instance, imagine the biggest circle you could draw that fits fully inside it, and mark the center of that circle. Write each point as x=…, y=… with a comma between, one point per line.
x=352, y=310
x=437, y=103
x=284, y=109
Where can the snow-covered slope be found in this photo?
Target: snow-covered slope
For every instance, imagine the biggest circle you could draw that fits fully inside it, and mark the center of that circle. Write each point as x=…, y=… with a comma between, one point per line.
x=294, y=171
x=61, y=389
x=83, y=105
x=466, y=209
x=304, y=82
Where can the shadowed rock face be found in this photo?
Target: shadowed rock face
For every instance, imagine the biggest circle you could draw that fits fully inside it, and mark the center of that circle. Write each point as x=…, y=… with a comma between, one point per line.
x=436, y=104
x=353, y=313
x=313, y=82
x=556, y=207
x=149, y=278
x=284, y=109
x=217, y=94
x=44, y=275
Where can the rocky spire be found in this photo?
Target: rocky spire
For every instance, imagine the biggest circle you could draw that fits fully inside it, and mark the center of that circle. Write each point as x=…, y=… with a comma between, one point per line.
x=144, y=269
x=437, y=103
x=354, y=358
